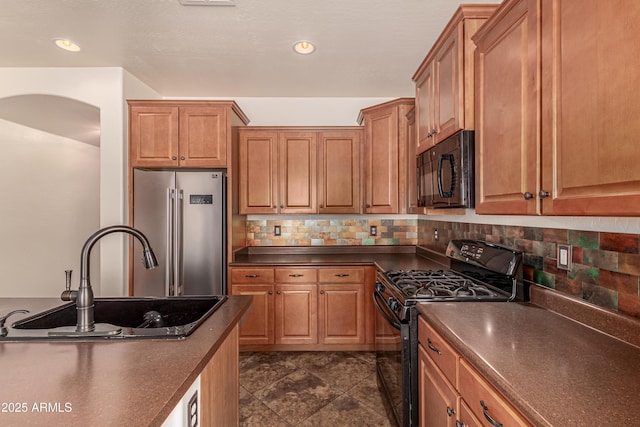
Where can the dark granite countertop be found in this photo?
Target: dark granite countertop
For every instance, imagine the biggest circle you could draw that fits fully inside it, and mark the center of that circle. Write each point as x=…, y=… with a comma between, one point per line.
x=106, y=383
x=384, y=257
x=555, y=370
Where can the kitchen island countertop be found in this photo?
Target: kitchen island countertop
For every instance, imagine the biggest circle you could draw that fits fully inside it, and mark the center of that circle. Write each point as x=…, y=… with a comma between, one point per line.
x=555, y=370
x=105, y=383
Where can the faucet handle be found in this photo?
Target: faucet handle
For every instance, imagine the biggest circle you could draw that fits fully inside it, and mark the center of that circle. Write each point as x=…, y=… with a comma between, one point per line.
x=67, y=274
x=68, y=294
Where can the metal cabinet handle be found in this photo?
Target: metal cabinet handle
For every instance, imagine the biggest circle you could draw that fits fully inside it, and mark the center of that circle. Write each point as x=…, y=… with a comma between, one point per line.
x=543, y=194
x=485, y=410
x=432, y=347
x=527, y=196
x=278, y=292
x=174, y=158
x=270, y=292
x=296, y=275
x=459, y=424
x=321, y=292
x=450, y=411
x=181, y=157
x=251, y=276
x=342, y=275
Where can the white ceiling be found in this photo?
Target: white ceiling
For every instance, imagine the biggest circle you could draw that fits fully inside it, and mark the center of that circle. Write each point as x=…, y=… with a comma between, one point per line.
x=365, y=48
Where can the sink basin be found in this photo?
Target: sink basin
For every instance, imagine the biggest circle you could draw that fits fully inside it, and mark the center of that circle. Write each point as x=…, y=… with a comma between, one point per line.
x=121, y=318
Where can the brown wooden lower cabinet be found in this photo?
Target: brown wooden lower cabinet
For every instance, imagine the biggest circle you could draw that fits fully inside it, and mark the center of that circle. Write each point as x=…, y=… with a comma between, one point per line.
x=306, y=306
x=219, y=386
x=452, y=393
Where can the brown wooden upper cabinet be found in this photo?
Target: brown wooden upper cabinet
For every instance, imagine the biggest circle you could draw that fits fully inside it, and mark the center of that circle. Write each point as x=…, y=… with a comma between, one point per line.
x=563, y=143
x=299, y=170
x=445, y=79
x=385, y=156
x=182, y=133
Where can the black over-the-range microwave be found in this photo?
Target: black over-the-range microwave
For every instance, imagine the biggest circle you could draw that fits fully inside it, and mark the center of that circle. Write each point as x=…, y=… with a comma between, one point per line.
x=446, y=173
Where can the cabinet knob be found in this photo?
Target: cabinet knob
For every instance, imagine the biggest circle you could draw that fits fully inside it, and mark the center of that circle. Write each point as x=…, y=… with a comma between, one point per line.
x=543, y=194
x=527, y=196
x=270, y=292
x=321, y=292
x=278, y=292
x=181, y=157
x=173, y=157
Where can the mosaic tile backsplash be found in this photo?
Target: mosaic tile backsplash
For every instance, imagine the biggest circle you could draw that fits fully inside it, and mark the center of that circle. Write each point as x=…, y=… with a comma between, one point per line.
x=332, y=232
x=605, y=266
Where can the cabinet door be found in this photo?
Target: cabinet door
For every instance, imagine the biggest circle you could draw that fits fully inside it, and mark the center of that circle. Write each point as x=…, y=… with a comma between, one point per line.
x=154, y=136
x=437, y=399
x=296, y=314
x=425, y=105
x=258, y=172
x=592, y=79
x=381, y=162
x=203, y=136
x=339, y=163
x=506, y=150
x=448, y=87
x=258, y=325
x=341, y=315
x=297, y=172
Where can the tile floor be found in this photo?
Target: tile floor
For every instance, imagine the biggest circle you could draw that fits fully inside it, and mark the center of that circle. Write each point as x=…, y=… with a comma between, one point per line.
x=284, y=389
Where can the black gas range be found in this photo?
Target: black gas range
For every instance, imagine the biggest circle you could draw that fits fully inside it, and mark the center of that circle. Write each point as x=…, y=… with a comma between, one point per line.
x=478, y=271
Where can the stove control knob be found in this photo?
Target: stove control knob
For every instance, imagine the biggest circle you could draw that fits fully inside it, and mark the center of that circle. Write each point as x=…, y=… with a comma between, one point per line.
x=394, y=304
x=379, y=287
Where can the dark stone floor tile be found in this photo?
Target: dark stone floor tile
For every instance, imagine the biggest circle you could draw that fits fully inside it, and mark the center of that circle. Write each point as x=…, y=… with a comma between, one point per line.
x=366, y=391
x=297, y=396
x=341, y=370
x=346, y=411
x=254, y=413
x=259, y=370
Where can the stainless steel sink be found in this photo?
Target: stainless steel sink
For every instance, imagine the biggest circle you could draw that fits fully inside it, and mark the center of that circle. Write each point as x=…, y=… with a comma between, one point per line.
x=120, y=318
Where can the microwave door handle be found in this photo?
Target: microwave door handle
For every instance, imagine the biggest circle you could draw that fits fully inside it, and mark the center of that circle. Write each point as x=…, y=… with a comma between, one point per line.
x=441, y=159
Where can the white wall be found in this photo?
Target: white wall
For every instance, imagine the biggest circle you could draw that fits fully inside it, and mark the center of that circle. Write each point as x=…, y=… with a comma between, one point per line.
x=50, y=206
x=106, y=89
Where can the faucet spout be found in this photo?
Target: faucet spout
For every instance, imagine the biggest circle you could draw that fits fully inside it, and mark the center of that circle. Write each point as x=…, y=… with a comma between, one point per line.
x=84, y=297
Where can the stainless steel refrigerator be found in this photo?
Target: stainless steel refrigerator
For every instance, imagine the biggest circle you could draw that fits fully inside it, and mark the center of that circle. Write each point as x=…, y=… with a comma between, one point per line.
x=182, y=213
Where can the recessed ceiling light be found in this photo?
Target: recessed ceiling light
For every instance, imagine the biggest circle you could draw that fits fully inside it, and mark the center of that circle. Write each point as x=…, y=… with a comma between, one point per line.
x=67, y=44
x=304, y=47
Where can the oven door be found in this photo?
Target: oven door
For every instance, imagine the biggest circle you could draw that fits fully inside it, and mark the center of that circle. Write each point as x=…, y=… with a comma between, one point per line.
x=392, y=364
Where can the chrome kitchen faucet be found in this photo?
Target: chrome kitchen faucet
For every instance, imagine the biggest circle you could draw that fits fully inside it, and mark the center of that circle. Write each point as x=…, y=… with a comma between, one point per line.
x=83, y=297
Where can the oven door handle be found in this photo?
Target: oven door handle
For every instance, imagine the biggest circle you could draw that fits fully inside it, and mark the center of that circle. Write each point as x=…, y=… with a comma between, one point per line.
x=391, y=319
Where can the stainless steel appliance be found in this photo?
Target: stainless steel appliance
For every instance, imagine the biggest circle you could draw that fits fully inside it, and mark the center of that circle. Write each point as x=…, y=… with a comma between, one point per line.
x=478, y=271
x=182, y=214
x=445, y=173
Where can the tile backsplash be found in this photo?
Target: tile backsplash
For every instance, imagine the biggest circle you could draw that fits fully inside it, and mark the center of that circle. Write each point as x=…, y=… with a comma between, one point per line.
x=605, y=266
x=332, y=232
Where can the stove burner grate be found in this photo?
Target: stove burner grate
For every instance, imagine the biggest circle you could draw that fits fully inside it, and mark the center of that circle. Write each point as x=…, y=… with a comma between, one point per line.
x=428, y=284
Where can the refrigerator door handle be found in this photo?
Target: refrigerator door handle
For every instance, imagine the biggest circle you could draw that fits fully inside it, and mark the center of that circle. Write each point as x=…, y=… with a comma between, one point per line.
x=177, y=244
x=168, y=276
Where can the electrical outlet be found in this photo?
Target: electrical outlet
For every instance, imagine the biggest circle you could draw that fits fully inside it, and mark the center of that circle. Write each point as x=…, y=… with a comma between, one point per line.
x=564, y=256
x=276, y=230
x=435, y=234
x=373, y=230
x=192, y=409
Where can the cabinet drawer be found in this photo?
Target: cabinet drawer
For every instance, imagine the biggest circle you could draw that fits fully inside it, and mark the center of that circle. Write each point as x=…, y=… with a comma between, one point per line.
x=484, y=401
x=444, y=356
x=252, y=275
x=341, y=275
x=296, y=275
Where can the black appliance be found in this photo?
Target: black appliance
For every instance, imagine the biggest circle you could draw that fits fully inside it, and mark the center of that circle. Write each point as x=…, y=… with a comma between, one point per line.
x=478, y=271
x=445, y=173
